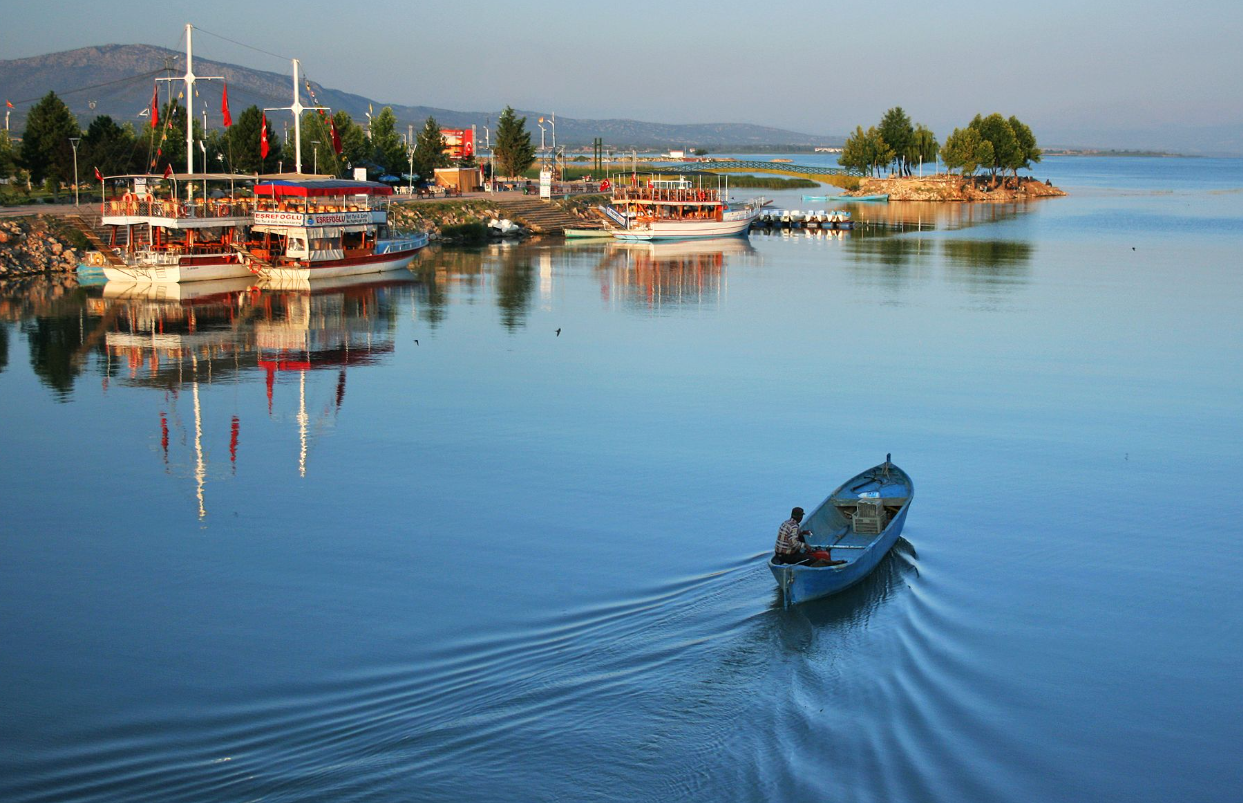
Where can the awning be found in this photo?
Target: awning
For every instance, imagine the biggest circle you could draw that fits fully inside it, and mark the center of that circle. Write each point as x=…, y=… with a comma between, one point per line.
x=325, y=187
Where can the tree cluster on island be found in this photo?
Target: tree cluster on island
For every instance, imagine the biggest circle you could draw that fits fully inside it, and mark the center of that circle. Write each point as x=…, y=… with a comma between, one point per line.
x=993, y=143
x=896, y=145
x=45, y=155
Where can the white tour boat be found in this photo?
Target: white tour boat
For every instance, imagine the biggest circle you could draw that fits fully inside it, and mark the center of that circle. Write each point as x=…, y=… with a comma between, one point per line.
x=311, y=229
x=676, y=209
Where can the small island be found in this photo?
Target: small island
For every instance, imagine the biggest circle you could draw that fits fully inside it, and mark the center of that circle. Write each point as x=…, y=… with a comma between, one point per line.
x=949, y=187
x=997, y=145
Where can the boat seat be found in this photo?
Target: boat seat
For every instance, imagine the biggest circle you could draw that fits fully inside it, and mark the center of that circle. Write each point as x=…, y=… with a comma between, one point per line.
x=870, y=517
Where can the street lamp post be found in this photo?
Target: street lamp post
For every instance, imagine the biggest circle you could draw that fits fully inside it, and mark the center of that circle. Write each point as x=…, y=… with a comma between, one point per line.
x=543, y=153
x=410, y=172
x=315, y=158
x=74, y=142
x=487, y=144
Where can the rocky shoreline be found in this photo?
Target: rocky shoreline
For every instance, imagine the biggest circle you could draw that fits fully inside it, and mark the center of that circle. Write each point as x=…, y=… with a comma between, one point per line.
x=956, y=189
x=443, y=221
x=30, y=246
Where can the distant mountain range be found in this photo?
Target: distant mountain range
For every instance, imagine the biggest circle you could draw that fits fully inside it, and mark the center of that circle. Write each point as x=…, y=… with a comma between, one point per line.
x=117, y=80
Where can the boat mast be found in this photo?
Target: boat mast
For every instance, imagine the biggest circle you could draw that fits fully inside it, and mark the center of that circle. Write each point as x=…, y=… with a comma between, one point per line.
x=190, y=78
x=297, y=108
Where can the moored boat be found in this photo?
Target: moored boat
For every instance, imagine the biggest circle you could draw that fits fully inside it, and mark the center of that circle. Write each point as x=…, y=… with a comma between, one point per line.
x=159, y=237
x=325, y=228
x=676, y=209
x=177, y=227
x=859, y=523
x=867, y=198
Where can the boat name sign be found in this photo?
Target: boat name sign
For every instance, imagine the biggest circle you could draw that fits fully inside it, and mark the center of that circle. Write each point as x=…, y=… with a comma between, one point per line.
x=322, y=219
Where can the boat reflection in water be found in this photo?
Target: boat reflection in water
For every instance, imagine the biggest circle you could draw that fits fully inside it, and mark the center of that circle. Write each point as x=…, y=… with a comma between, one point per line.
x=175, y=337
x=671, y=274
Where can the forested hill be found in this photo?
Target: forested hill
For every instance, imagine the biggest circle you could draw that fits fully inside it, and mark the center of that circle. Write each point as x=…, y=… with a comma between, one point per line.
x=118, y=79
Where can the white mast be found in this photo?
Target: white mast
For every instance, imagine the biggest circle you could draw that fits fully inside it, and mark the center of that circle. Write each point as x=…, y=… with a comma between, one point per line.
x=190, y=78
x=297, y=108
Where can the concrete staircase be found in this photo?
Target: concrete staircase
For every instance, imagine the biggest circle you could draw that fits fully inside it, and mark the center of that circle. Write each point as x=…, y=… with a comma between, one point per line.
x=541, y=216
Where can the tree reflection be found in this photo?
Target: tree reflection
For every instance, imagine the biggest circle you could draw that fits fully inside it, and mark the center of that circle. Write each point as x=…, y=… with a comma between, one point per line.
x=4, y=347
x=54, y=344
x=468, y=268
x=987, y=265
x=884, y=255
x=988, y=254
x=514, y=286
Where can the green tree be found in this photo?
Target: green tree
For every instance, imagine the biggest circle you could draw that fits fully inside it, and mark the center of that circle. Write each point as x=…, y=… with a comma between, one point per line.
x=110, y=148
x=46, y=151
x=353, y=139
x=166, y=145
x=966, y=151
x=429, y=150
x=852, y=157
x=1029, y=153
x=895, y=128
x=866, y=152
x=241, y=144
x=387, y=149
x=8, y=156
x=317, y=153
x=514, y=151
x=923, y=146
x=995, y=130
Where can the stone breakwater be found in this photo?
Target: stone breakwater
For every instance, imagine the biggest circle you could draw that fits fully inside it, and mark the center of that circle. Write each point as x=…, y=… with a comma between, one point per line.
x=440, y=218
x=35, y=245
x=954, y=188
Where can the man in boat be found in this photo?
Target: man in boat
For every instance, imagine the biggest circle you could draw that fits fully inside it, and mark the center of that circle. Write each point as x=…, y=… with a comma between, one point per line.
x=792, y=546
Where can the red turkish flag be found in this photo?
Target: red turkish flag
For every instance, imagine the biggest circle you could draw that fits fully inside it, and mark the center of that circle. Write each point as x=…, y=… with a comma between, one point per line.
x=263, y=138
x=336, y=138
x=98, y=176
x=224, y=107
x=168, y=171
x=155, y=106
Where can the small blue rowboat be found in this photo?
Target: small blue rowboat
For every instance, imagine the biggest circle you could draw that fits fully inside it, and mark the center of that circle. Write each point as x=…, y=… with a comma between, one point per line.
x=869, y=198
x=859, y=523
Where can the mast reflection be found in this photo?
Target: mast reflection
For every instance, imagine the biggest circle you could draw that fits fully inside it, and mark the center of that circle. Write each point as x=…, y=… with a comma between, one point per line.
x=177, y=337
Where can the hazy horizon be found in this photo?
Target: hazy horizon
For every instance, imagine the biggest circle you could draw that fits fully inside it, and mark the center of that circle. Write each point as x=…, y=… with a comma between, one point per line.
x=1104, y=75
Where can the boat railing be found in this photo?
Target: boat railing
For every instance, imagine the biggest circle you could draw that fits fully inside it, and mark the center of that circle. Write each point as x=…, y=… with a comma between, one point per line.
x=141, y=206
x=318, y=208
x=659, y=195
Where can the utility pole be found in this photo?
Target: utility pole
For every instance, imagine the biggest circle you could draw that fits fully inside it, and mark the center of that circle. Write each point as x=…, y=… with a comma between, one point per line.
x=74, y=142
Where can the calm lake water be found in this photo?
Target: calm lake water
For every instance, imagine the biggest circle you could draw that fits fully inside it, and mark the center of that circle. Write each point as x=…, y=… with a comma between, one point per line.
x=403, y=541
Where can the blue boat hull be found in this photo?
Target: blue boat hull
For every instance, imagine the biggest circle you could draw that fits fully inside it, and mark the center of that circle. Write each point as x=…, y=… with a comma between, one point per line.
x=800, y=583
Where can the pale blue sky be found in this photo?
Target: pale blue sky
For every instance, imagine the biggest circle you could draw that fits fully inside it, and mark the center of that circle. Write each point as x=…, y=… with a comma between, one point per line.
x=1078, y=72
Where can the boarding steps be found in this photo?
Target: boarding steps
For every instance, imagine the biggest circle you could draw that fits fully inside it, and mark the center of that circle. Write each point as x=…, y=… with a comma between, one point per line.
x=541, y=216
x=89, y=223
x=94, y=232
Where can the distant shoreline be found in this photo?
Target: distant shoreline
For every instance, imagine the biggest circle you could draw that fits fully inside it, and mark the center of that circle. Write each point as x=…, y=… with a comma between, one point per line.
x=1113, y=152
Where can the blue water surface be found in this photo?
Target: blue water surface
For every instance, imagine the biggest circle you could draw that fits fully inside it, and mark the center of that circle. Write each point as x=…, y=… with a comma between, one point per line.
x=400, y=539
